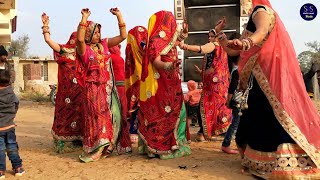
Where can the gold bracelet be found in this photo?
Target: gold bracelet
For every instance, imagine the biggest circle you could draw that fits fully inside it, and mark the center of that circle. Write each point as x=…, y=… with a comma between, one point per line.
x=44, y=26
x=82, y=27
x=168, y=66
x=45, y=31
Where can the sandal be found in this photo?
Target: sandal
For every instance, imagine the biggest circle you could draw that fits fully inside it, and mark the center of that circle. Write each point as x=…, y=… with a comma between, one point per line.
x=107, y=151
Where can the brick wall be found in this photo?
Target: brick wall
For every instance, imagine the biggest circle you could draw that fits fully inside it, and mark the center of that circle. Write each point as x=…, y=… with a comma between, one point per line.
x=32, y=72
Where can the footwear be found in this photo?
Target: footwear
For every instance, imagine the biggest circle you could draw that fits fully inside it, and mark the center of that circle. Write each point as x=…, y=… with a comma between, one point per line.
x=2, y=175
x=19, y=171
x=228, y=150
x=107, y=151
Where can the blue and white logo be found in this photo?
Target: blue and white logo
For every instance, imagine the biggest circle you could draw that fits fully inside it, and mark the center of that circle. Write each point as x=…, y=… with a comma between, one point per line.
x=308, y=12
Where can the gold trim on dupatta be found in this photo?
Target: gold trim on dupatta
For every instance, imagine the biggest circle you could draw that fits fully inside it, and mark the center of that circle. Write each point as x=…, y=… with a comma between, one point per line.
x=283, y=117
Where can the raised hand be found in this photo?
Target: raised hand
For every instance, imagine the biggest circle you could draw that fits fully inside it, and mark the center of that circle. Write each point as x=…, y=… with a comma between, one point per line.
x=85, y=12
x=115, y=11
x=235, y=44
x=185, y=27
x=45, y=19
x=197, y=69
x=221, y=24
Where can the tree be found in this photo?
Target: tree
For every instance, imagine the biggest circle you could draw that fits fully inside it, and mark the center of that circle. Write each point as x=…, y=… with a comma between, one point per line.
x=20, y=46
x=315, y=49
x=305, y=61
x=307, y=58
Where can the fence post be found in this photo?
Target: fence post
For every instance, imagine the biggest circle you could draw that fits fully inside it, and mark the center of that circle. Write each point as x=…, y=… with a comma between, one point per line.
x=17, y=82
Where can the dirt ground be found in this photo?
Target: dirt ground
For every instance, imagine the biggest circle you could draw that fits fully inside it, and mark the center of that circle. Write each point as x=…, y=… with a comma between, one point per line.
x=34, y=122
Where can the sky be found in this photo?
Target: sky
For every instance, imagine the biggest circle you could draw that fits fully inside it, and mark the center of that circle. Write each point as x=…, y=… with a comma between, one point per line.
x=65, y=16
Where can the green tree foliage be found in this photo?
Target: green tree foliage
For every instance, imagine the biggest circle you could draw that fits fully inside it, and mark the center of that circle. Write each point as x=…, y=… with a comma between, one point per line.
x=20, y=46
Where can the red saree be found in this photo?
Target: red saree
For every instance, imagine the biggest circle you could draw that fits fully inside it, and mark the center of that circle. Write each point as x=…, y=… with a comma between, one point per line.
x=216, y=116
x=137, y=37
x=162, y=119
x=275, y=67
x=67, y=125
x=94, y=72
x=124, y=145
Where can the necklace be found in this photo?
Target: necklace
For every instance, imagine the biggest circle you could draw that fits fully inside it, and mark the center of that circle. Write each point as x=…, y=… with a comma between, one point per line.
x=98, y=51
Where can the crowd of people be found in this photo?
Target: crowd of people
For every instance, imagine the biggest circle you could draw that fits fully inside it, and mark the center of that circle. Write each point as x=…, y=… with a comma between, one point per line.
x=252, y=88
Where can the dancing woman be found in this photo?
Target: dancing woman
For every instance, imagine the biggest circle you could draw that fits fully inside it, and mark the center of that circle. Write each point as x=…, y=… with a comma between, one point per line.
x=278, y=135
x=67, y=124
x=95, y=74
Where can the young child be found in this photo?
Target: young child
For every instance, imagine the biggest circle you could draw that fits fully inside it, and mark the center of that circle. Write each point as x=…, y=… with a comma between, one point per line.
x=233, y=67
x=192, y=99
x=4, y=64
x=8, y=108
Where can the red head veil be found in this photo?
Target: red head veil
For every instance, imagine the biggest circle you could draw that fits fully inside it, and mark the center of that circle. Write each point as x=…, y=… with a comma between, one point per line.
x=73, y=39
x=69, y=50
x=161, y=30
x=278, y=74
x=135, y=50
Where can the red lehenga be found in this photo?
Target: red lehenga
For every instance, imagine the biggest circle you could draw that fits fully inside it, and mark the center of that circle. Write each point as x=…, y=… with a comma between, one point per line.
x=162, y=120
x=283, y=141
x=67, y=125
x=216, y=116
x=94, y=73
x=124, y=145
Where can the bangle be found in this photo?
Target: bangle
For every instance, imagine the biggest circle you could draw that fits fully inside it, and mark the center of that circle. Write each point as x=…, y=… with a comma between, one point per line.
x=250, y=41
x=200, y=49
x=82, y=27
x=44, y=31
x=83, y=24
x=121, y=25
x=44, y=26
x=181, y=37
x=168, y=66
x=221, y=36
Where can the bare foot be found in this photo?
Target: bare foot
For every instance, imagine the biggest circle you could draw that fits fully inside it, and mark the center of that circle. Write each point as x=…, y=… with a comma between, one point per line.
x=228, y=150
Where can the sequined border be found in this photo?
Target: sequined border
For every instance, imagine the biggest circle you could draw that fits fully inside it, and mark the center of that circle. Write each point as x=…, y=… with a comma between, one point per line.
x=65, y=138
x=155, y=151
x=283, y=117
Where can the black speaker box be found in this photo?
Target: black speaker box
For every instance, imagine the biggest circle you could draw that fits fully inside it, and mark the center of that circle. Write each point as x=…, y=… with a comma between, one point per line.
x=190, y=3
x=189, y=70
x=207, y=18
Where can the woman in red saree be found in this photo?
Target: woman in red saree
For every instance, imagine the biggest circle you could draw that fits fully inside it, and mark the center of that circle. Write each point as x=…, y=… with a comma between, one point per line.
x=67, y=125
x=135, y=50
x=278, y=134
x=162, y=120
x=95, y=74
x=124, y=145
x=216, y=116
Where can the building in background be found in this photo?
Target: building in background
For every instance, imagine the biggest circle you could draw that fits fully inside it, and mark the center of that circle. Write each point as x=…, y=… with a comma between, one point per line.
x=8, y=21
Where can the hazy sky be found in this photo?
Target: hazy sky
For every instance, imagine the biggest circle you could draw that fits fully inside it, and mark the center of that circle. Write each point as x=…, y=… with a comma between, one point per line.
x=65, y=16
